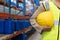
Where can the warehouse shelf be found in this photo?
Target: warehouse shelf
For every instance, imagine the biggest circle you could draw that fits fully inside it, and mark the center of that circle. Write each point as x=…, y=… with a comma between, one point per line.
x=14, y=15
x=6, y=36
x=15, y=12
x=8, y=11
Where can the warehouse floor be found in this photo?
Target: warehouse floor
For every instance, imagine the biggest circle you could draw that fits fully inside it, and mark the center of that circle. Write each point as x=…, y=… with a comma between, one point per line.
x=35, y=36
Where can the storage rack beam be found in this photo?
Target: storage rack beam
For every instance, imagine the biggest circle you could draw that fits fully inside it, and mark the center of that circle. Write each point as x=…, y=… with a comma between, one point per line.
x=20, y=0
x=17, y=17
x=7, y=37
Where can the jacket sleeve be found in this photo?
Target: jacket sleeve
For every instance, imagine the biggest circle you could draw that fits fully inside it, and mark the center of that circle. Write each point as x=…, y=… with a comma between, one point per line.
x=33, y=18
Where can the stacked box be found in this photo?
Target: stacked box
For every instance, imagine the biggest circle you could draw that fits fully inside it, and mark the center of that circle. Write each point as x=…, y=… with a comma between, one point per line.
x=1, y=26
x=27, y=23
x=9, y=27
x=19, y=25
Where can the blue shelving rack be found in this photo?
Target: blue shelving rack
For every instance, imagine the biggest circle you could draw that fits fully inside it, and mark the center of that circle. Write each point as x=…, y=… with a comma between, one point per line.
x=9, y=23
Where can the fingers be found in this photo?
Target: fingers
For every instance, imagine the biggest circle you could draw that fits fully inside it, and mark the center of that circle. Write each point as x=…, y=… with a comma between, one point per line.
x=47, y=28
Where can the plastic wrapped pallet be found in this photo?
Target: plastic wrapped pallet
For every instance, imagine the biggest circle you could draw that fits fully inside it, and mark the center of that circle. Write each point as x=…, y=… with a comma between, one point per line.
x=21, y=13
x=6, y=9
x=13, y=11
x=29, y=12
x=17, y=11
x=1, y=8
x=29, y=7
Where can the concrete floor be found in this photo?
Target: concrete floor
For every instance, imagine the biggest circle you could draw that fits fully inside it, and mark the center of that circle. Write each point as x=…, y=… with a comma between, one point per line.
x=35, y=36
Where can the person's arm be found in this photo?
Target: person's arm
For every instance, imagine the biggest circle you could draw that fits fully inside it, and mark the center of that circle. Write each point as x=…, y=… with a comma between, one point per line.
x=33, y=20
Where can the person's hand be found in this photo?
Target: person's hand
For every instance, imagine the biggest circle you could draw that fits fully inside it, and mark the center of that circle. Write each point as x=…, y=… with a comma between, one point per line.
x=42, y=29
x=47, y=28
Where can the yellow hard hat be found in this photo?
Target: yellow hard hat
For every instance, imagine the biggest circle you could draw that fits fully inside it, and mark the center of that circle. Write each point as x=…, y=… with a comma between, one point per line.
x=45, y=18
